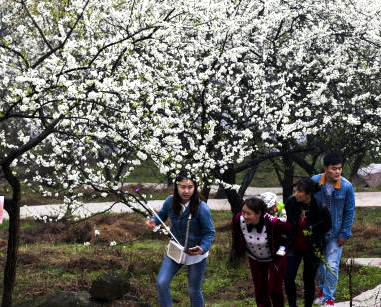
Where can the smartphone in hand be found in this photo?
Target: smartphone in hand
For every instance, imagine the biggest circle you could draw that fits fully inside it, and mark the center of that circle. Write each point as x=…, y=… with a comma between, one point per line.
x=196, y=250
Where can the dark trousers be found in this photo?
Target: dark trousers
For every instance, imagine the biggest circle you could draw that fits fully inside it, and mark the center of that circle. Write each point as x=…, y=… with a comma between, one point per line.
x=310, y=263
x=268, y=282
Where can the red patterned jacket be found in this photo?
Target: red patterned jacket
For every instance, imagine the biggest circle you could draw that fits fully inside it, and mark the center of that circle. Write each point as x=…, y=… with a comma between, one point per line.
x=276, y=230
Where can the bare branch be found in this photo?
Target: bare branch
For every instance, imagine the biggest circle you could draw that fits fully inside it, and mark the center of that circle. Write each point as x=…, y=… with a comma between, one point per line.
x=32, y=143
x=36, y=25
x=19, y=54
x=45, y=56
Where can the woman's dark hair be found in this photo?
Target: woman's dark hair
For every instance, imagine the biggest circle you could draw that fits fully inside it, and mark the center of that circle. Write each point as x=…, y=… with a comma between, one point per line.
x=256, y=204
x=307, y=185
x=195, y=198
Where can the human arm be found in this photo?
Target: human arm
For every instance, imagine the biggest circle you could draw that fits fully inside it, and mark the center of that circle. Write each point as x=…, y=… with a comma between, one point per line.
x=319, y=219
x=291, y=210
x=293, y=214
x=163, y=212
x=208, y=231
x=348, y=215
x=284, y=228
x=340, y=241
x=326, y=220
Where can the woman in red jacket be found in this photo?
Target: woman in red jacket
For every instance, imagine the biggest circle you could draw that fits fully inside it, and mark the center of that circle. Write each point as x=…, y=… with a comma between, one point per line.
x=257, y=234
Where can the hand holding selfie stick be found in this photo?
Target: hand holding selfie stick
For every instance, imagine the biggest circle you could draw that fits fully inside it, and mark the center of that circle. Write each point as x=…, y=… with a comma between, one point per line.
x=162, y=223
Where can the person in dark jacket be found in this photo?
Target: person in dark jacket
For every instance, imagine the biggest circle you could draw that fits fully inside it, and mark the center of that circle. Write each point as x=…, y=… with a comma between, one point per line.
x=310, y=223
x=257, y=234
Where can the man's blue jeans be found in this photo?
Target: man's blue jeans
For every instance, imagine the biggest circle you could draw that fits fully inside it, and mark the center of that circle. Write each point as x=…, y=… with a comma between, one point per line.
x=195, y=278
x=328, y=277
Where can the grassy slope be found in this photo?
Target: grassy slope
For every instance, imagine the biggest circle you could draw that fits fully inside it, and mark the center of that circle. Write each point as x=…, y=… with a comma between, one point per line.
x=56, y=265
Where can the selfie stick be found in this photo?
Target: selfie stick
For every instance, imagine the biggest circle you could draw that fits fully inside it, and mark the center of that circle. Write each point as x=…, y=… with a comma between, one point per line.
x=165, y=226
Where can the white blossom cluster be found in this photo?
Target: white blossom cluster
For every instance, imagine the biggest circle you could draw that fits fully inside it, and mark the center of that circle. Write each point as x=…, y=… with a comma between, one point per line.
x=91, y=89
x=236, y=78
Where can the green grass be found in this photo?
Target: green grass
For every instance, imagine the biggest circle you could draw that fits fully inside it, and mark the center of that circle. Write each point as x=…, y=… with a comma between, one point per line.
x=367, y=189
x=366, y=229
x=25, y=225
x=364, y=278
x=45, y=268
x=265, y=176
x=33, y=198
x=144, y=245
x=243, y=302
x=4, y=225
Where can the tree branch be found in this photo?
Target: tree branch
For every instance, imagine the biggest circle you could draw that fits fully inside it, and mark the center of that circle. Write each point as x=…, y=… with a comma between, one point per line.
x=32, y=143
x=16, y=53
x=45, y=56
x=36, y=25
x=265, y=157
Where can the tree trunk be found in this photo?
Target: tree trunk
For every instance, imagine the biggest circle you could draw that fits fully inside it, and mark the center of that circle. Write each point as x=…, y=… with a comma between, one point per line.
x=204, y=195
x=288, y=179
x=356, y=165
x=302, y=162
x=228, y=177
x=247, y=180
x=13, y=209
x=235, y=201
x=220, y=194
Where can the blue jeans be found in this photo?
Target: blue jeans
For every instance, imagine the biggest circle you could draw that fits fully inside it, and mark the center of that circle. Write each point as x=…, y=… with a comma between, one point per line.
x=328, y=277
x=195, y=278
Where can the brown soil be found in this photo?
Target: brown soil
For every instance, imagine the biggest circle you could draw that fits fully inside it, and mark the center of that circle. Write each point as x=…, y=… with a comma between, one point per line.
x=367, y=230
x=121, y=228
x=40, y=260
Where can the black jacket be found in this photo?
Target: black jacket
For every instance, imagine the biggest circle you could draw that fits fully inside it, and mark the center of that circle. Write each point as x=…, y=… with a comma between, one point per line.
x=318, y=219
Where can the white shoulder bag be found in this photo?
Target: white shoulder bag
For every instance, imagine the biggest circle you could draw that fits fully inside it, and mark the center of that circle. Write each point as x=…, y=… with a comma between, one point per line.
x=175, y=250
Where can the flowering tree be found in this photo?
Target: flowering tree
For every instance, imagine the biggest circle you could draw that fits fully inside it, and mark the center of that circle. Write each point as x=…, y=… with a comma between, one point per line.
x=345, y=67
x=61, y=107
x=250, y=80
x=89, y=90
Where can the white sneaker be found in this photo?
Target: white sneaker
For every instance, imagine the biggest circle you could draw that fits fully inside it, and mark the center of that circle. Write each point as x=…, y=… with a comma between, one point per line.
x=317, y=301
